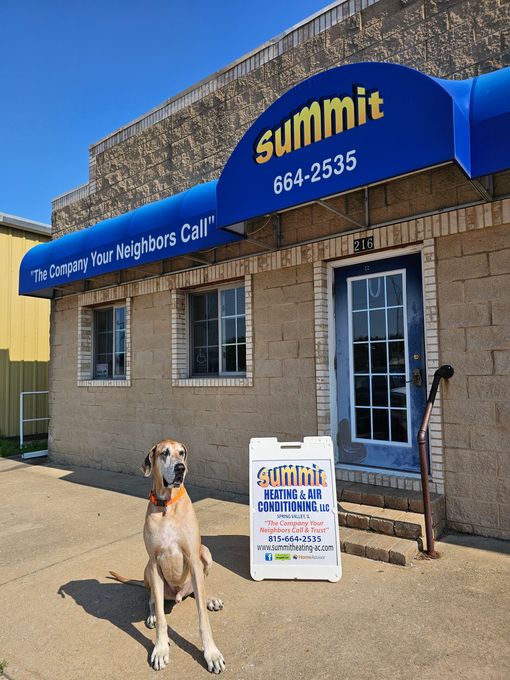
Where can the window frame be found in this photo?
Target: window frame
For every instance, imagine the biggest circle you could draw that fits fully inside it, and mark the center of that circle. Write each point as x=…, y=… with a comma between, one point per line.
x=189, y=339
x=114, y=306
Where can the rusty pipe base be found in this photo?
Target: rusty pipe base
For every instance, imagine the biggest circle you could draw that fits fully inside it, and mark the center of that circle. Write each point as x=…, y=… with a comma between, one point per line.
x=433, y=555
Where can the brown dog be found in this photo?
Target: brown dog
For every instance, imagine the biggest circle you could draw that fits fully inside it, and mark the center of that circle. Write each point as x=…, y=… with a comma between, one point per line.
x=178, y=562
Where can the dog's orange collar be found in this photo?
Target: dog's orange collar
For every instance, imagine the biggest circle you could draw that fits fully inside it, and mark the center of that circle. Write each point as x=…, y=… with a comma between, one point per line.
x=163, y=504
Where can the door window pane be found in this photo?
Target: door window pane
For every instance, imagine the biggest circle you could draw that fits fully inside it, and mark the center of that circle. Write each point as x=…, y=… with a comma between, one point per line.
x=395, y=323
x=376, y=292
x=359, y=326
x=394, y=291
x=363, y=430
x=398, y=425
x=378, y=325
x=398, y=390
x=361, y=358
x=378, y=357
x=381, y=424
x=359, y=294
x=379, y=390
x=361, y=390
x=397, y=357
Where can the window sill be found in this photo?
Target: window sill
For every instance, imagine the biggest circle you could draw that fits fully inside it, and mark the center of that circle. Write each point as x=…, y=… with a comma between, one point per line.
x=235, y=381
x=105, y=383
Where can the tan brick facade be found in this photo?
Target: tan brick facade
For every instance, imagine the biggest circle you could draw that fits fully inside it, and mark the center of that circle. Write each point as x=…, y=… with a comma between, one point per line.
x=289, y=390
x=475, y=338
x=290, y=394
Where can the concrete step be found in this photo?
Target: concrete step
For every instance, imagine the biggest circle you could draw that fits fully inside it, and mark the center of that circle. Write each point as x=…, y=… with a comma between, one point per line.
x=392, y=499
x=386, y=521
x=401, y=551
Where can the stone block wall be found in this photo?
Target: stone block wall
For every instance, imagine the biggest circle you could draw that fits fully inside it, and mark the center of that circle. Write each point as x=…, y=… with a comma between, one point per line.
x=113, y=427
x=446, y=38
x=473, y=272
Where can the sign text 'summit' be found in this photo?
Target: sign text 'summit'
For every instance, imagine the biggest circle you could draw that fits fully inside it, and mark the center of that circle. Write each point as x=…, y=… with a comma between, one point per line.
x=317, y=120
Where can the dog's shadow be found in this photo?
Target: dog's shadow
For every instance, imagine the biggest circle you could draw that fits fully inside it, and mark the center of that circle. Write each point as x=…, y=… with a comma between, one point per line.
x=232, y=552
x=122, y=605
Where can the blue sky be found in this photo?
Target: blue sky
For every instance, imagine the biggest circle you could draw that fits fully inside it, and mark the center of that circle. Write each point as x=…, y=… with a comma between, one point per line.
x=72, y=71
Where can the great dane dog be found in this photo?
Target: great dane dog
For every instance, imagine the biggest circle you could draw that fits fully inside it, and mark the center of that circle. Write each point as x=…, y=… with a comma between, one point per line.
x=178, y=562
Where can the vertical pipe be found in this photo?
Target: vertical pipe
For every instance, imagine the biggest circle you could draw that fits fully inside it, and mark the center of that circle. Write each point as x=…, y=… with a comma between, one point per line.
x=446, y=372
x=424, y=468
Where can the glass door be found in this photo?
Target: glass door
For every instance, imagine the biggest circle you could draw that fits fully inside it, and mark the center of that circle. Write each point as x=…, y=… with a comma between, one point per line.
x=380, y=362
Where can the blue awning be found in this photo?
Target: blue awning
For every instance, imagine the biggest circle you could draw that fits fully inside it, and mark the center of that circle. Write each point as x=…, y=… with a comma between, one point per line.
x=360, y=124
x=339, y=130
x=181, y=224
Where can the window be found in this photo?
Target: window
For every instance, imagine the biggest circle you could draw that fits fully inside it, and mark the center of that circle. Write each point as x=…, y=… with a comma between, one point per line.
x=377, y=323
x=218, y=332
x=110, y=343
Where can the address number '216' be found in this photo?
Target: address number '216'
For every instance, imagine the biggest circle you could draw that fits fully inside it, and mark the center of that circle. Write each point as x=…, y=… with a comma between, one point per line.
x=361, y=244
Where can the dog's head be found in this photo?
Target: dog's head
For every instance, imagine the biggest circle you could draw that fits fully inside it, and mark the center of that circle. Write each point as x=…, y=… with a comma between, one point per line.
x=167, y=462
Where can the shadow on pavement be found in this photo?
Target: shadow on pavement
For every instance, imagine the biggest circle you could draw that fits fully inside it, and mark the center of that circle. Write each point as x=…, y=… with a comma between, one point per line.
x=110, y=602
x=475, y=542
x=232, y=552
x=136, y=485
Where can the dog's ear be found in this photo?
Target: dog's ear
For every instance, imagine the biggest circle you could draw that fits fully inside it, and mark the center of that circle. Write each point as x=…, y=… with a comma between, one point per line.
x=147, y=463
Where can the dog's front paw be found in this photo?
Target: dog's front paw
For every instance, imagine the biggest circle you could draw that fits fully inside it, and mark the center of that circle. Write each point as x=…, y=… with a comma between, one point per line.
x=150, y=621
x=214, y=660
x=160, y=656
x=214, y=604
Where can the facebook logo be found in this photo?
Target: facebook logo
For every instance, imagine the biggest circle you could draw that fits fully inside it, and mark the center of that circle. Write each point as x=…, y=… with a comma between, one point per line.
x=268, y=557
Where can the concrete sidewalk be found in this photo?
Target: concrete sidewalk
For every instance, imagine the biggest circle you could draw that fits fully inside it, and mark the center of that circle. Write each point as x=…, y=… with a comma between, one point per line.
x=62, y=530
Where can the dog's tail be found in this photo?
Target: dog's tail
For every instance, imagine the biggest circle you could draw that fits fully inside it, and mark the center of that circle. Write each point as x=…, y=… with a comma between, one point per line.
x=130, y=582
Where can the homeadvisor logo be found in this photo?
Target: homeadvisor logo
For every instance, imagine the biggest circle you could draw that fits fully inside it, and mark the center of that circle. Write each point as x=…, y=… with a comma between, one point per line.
x=318, y=120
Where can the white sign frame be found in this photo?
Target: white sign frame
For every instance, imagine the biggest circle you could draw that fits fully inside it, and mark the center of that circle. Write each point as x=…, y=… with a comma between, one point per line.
x=302, y=559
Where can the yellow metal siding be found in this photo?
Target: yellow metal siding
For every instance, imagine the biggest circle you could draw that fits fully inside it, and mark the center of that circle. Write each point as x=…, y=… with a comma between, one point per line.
x=24, y=337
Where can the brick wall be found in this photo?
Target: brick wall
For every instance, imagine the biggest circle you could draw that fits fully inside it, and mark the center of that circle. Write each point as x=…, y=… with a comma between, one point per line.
x=473, y=271
x=447, y=38
x=113, y=428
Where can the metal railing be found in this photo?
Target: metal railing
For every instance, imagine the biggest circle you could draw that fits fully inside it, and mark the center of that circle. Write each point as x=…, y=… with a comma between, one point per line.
x=446, y=371
x=22, y=421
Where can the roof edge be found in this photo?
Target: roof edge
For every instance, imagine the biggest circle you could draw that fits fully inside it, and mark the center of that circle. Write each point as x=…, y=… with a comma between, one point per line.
x=24, y=224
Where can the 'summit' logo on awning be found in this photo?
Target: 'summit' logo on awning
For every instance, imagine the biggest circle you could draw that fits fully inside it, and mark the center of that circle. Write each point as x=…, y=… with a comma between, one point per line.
x=318, y=120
